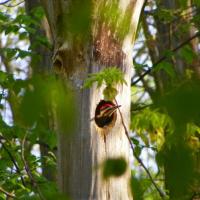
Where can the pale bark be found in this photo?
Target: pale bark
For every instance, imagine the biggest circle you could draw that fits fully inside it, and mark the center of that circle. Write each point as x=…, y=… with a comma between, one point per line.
x=82, y=153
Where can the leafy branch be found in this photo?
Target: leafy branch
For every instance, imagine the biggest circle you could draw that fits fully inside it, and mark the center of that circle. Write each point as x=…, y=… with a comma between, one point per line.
x=12, y=159
x=110, y=76
x=8, y=194
x=28, y=171
x=164, y=58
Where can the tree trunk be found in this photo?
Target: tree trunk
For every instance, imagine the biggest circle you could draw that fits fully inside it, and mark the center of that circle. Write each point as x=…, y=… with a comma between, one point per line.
x=82, y=153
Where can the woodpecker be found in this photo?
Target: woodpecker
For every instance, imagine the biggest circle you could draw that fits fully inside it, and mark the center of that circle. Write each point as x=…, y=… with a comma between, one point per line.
x=105, y=113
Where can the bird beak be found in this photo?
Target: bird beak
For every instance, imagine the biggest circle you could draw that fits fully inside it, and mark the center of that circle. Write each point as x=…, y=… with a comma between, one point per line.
x=112, y=111
x=114, y=108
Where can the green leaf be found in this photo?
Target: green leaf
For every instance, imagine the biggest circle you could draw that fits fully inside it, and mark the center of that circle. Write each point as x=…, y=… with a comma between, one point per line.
x=49, y=137
x=38, y=12
x=110, y=76
x=30, y=30
x=41, y=94
x=3, y=17
x=183, y=3
x=114, y=167
x=160, y=159
x=23, y=35
x=168, y=53
x=26, y=20
x=138, y=150
x=22, y=54
x=137, y=188
x=197, y=2
x=3, y=76
x=10, y=53
x=187, y=54
x=43, y=41
x=165, y=15
x=182, y=102
x=167, y=67
x=11, y=29
x=135, y=141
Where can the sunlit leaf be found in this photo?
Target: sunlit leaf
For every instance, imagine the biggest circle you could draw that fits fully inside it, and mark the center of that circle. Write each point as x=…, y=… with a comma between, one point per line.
x=109, y=76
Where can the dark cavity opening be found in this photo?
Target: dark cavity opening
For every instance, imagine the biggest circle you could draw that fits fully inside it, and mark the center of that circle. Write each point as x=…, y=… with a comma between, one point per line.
x=106, y=114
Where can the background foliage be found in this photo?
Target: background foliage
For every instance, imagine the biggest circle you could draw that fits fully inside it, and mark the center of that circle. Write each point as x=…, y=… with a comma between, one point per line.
x=165, y=102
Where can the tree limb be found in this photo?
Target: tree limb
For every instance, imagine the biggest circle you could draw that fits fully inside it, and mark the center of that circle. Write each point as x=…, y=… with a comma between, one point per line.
x=2, y=3
x=163, y=58
x=14, y=5
x=8, y=194
x=161, y=193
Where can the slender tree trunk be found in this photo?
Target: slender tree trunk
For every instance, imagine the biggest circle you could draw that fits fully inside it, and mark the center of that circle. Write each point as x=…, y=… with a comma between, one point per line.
x=42, y=67
x=82, y=153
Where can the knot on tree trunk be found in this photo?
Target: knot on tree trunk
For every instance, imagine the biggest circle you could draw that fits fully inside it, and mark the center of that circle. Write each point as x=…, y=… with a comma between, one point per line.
x=68, y=57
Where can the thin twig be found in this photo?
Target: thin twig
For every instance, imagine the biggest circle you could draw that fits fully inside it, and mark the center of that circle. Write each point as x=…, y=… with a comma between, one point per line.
x=11, y=6
x=2, y=3
x=8, y=194
x=139, y=108
x=28, y=171
x=13, y=160
x=161, y=193
x=163, y=58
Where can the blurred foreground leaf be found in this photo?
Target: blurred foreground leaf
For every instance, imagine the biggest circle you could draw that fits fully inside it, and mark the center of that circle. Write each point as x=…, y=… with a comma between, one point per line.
x=44, y=95
x=114, y=167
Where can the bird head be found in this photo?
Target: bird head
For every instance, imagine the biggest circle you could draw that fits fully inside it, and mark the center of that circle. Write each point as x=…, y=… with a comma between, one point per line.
x=105, y=112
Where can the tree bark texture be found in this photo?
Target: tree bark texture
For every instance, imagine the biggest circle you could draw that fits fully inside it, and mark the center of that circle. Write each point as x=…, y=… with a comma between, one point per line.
x=81, y=154
x=42, y=66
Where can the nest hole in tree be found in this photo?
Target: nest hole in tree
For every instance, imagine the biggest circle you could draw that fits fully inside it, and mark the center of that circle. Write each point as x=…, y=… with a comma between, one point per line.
x=105, y=114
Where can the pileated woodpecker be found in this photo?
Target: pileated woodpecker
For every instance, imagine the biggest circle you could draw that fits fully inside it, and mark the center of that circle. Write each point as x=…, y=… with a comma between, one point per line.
x=105, y=113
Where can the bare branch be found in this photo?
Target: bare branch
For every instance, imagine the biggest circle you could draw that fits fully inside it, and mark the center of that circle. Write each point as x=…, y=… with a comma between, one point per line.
x=2, y=3
x=14, y=5
x=161, y=193
x=141, y=107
